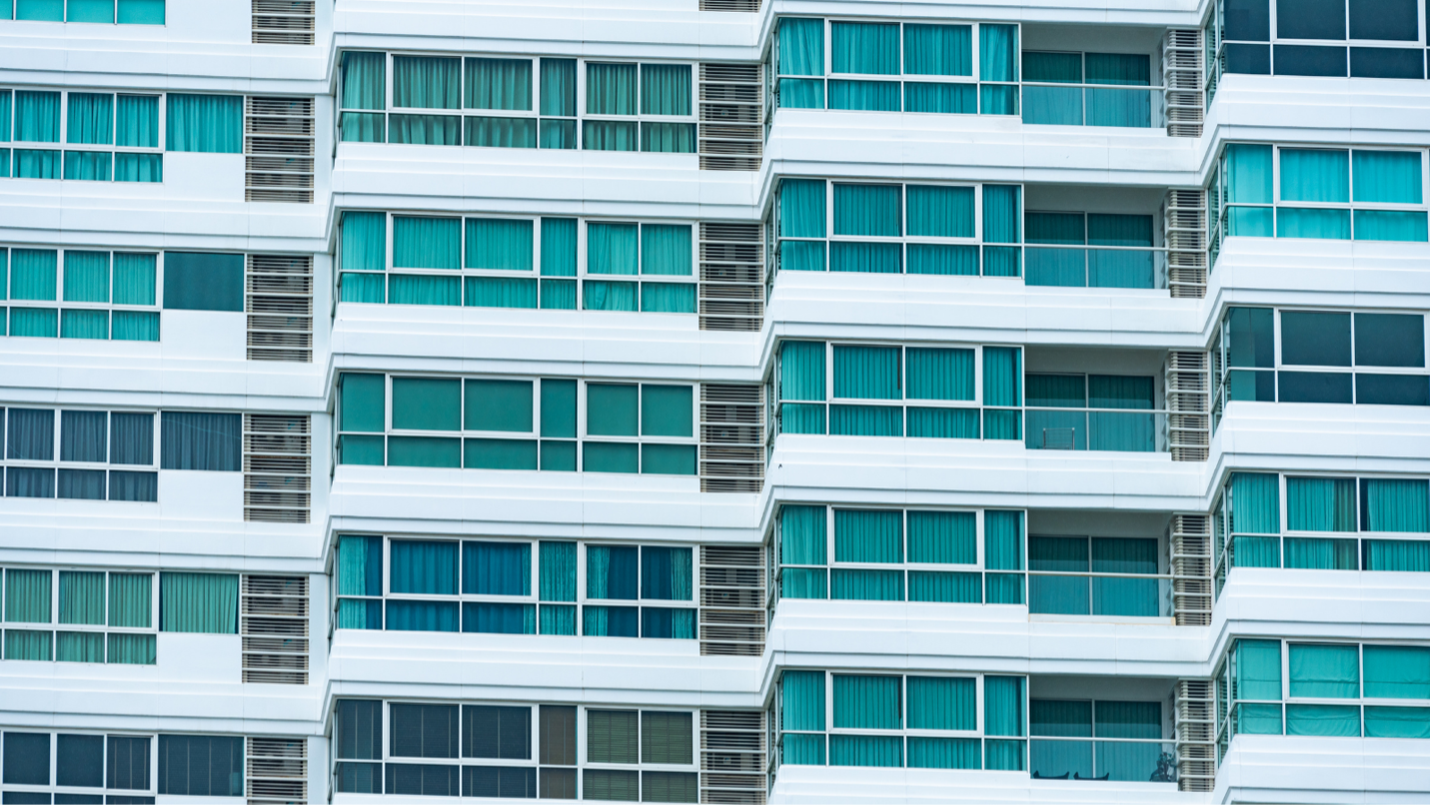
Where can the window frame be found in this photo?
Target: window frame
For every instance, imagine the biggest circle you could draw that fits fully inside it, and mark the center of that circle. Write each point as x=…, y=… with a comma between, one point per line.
x=54, y=788
x=54, y=625
x=60, y=305
x=67, y=20
x=107, y=466
x=61, y=145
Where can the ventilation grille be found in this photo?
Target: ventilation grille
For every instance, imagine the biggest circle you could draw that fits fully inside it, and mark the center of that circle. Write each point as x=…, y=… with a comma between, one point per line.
x=732, y=600
x=732, y=284
x=280, y=308
x=274, y=618
x=1196, y=726
x=283, y=22
x=732, y=438
x=1188, y=393
x=731, y=110
x=278, y=141
x=1184, y=226
x=1182, y=76
x=729, y=5
x=1191, y=570
x=732, y=756
x=277, y=474
x=277, y=770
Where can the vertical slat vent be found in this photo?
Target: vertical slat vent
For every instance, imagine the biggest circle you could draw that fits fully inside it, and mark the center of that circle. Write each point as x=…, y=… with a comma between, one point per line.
x=1196, y=730
x=732, y=438
x=278, y=146
x=274, y=626
x=732, y=757
x=729, y=5
x=1184, y=231
x=277, y=771
x=283, y=22
x=280, y=308
x=1188, y=388
x=1182, y=59
x=731, y=113
x=277, y=468
x=1191, y=570
x=732, y=294
x=732, y=600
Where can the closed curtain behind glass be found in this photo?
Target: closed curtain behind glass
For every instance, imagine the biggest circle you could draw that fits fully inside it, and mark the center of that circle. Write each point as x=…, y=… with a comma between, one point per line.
x=198, y=602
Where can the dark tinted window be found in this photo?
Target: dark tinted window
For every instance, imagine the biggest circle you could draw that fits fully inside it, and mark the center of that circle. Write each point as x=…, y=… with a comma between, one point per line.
x=79, y=760
x=1316, y=338
x=1393, y=389
x=422, y=779
x=27, y=759
x=424, y=731
x=358, y=730
x=78, y=799
x=1298, y=386
x=499, y=782
x=1254, y=59
x=1384, y=19
x=201, y=765
x=489, y=731
x=1386, y=63
x=204, y=441
x=27, y=798
x=203, y=281
x=1310, y=60
x=1248, y=19
x=558, y=783
x=558, y=734
x=1311, y=19
x=128, y=762
x=361, y=777
x=1390, y=340
x=1252, y=341
x=131, y=441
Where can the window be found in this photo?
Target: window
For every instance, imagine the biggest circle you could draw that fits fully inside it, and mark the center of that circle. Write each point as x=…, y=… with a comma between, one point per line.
x=508, y=587
x=209, y=282
x=100, y=295
x=201, y=765
x=521, y=102
x=894, y=228
x=1375, y=358
x=204, y=123
x=79, y=616
x=1365, y=194
x=86, y=768
x=1274, y=687
x=90, y=126
x=892, y=555
x=867, y=394
x=892, y=66
x=516, y=751
x=894, y=720
x=1094, y=411
x=1123, y=254
x=1133, y=581
x=517, y=424
x=1089, y=89
x=198, y=602
x=210, y=442
x=80, y=454
x=1099, y=740
x=123, y=12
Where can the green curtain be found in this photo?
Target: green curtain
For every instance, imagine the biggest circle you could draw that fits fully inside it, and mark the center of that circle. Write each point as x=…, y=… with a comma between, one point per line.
x=866, y=585
x=508, y=133
x=426, y=242
x=612, y=248
x=359, y=566
x=362, y=127
x=944, y=374
x=610, y=297
x=1256, y=670
x=941, y=97
x=1383, y=554
x=130, y=600
x=1386, y=176
x=81, y=597
x=610, y=89
x=1255, y=500
x=1324, y=671
x=867, y=372
x=997, y=52
x=1321, y=553
x=802, y=748
x=1401, y=722
x=198, y=602
x=944, y=754
x=665, y=250
x=90, y=119
x=88, y=166
x=867, y=210
x=942, y=211
x=943, y=537
x=802, y=94
x=362, y=287
x=424, y=290
x=205, y=123
x=877, y=96
x=869, y=536
x=802, y=700
x=430, y=130
x=79, y=647
x=1003, y=550
x=1391, y=226
x=802, y=208
x=558, y=87
x=500, y=244
x=946, y=588
x=801, y=46
x=364, y=239
x=364, y=80
x=1248, y=173
x=1391, y=505
x=667, y=137
x=127, y=648
x=1320, y=504
x=938, y=50
x=665, y=89
x=426, y=82
x=37, y=116
x=27, y=595
x=803, y=534
x=1315, y=175
x=803, y=583
x=1001, y=219
x=1322, y=720
x=28, y=644
x=138, y=168
x=37, y=164
x=865, y=257
x=84, y=324
x=668, y=298
x=86, y=277
x=1313, y=223
x=134, y=278
x=1002, y=377
x=508, y=293
x=1004, y=712
x=861, y=47
x=867, y=702
x=558, y=247
x=498, y=84
x=1396, y=672
x=866, y=751
x=941, y=703
x=801, y=371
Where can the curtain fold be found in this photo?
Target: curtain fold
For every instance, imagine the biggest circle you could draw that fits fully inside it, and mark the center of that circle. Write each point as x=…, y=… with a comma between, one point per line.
x=27, y=596
x=868, y=536
x=867, y=372
x=1395, y=505
x=499, y=244
x=132, y=649
x=875, y=96
x=79, y=647
x=90, y=118
x=942, y=703
x=610, y=89
x=86, y=276
x=668, y=298
x=665, y=89
x=1383, y=554
x=1324, y=671
x=867, y=210
x=207, y=441
x=803, y=535
x=198, y=602
x=1248, y=173
x=867, y=702
x=801, y=47
x=428, y=568
x=942, y=259
x=938, y=50
x=496, y=568
x=612, y=248
x=363, y=243
x=1127, y=720
x=944, y=97
x=429, y=130
x=1002, y=377
x=802, y=208
x=134, y=278
x=558, y=571
x=611, y=571
x=1322, y=720
x=941, y=211
x=1001, y=219
x=498, y=84
x=131, y=600
x=426, y=242
x=866, y=751
x=1386, y=176
x=33, y=275
x=944, y=754
x=866, y=585
x=802, y=371
x=1256, y=670
x=359, y=566
x=558, y=87
x=1004, y=711
x=1391, y=226
x=558, y=247
x=997, y=52
x=37, y=116
x=426, y=82
x=364, y=78
x=665, y=250
x=28, y=644
x=1315, y=175
x=866, y=48
x=138, y=168
x=205, y=123
x=84, y=436
x=943, y=537
x=946, y=588
x=865, y=257
x=1396, y=672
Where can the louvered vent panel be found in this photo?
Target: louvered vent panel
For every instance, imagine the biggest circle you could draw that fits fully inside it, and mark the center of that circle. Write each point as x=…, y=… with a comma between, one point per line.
x=1196, y=729
x=283, y=22
x=274, y=626
x=732, y=294
x=732, y=438
x=1191, y=570
x=277, y=770
x=278, y=142
x=280, y=308
x=731, y=113
x=1184, y=230
x=1182, y=76
x=1188, y=387
x=732, y=756
x=732, y=595
x=729, y=5
x=277, y=468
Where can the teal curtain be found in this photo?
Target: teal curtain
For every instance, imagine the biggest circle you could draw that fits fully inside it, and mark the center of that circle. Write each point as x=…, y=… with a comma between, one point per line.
x=802, y=748
x=801, y=371
x=866, y=751
x=860, y=47
x=1060, y=67
x=138, y=168
x=1255, y=501
x=499, y=244
x=130, y=600
x=362, y=287
x=997, y=52
x=198, y=602
x=1324, y=671
x=943, y=537
x=1383, y=554
x=142, y=326
x=558, y=87
x=364, y=79
x=428, y=568
x=998, y=99
x=1315, y=175
x=865, y=257
x=27, y=644
x=801, y=47
x=944, y=374
x=141, y=12
x=558, y=571
x=803, y=583
x=610, y=89
x=91, y=118
x=5, y=129
x=498, y=84
x=81, y=597
x=1321, y=553
x=430, y=130
x=132, y=649
x=938, y=50
x=86, y=276
x=1052, y=105
x=865, y=420
x=802, y=255
x=80, y=647
x=205, y=123
x=426, y=242
x=946, y=588
x=1055, y=228
x=802, y=700
x=867, y=372
x=508, y=133
x=424, y=290
x=1003, y=550
x=940, y=703
x=941, y=211
x=1118, y=68
x=37, y=164
x=1386, y=176
x=1322, y=720
x=1108, y=107
x=1391, y=226
x=944, y=754
x=1118, y=596
x=1391, y=505
x=505, y=293
x=1258, y=718
x=1058, y=595
x=88, y=166
x=37, y=116
x=876, y=96
x=665, y=89
x=803, y=534
x=1125, y=269
x=426, y=82
x=802, y=208
x=1320, y=504
x=359, y=566
x=1002, y=377
x=362, y=127
x=867, y=702
x=47, y=10
x=1127, y=720
x=668, y=298
x=612, y=248
x=869, y=536
x=558, y=619
x=867, y=210
x=1256, y=670
x=665, y=250
x=364, y=240
x=1001, y=214
x=1400, y=722
x=84, y=324
x=1069, y=718
x=1248, y=173
x=27, y=595
x=1004, y=710
x=1313, y=223
x=802, y=94
x=866, y=585
x=33, y=275
x=558, y=247
x=942, y=422
x=941, y=97
x=1397, y=672
x=610, y=297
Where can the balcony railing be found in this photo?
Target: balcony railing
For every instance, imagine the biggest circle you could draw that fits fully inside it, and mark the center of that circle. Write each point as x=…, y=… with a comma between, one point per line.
x=1103, y=760
x=1098, y=429
x=1081, y=593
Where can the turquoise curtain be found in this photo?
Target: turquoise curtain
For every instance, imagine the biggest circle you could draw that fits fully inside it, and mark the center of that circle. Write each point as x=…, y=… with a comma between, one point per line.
x=1391, y=226
x=1401, y=722
x=610, y=89
x=1001, y=213
x=665, y=250
x=941, y=97
x=1002, y=377
x=865, y=420
x=1058, y=595
x=86, y=276
x=997, y=52
x=611, y=571
x=802, y=94
x=1127, y=720
x=1258, y=718
x=1117, y=596
x=1056, y=267
x=142, y=326
x=33, y=275
x=612, y=248
x=866, y=751
x=1256, y=670
x=558, y=571
x=506, y=293
x=1392, y=505
x=198, y=602
x=1003, y=540
x=426, y=242
x=422, y=616
x=1320, y=504
x=1315, y=175
x=26, y=644
x=667, y=137
x=88, y=166
x=37, y=164
x=364, y=77
x=1107, y=107
x=80, y=647
x=1061, y=67
x=876, y=96
x=865, y=257
x=90, y=11
x=802, y=748
x=1322, y=720
x=1070, y=718
x=37, y=116
x=1324, y=671
x=866, y=585
x=498, y=84
x=359, y=566
x=668, y=298
x=610, y=297
x=1386, y=176
x=665, y=573
x=867, y=702
x=1004, y=711
x=364, y=240
x=802, y=256
x=91, y=118
x=938, y=50
x=1397, y=672
x=426, y=82
x=860, y=47
x=1120, y=268
x=1383, y=554
x=27, y=595
x=141, y=12
x=998, y=99
x=665, y=89
x=81, y=597
x=362, y=127
x=943, y=211
x=941, y=703
x=558, y=87
x=428, y=568
x=802, y=700
x=1055, y=228
x=1255, y=501
x=430, y=130
x=802, y=208
x=1052, y=105
x=132, y=649
x=1313, y=223
x=84, y=325
x=867, y=372
x=496, y=568
x=944, y=754
x=946, y=588
x=803, y=534
x=1321, y=553
x=5, y=129
x=867, y=210
x=944, y=374
x=803, y=583
x=362, y=287
x=869, y=536
x=558, y=247
x=499, y=244
x=943, y=537
x=424, y=290
x=558, y=619
x=205, y=123
x=507, y=133
x=138, y=168
x=801, y=371
x=801, y=47
x=1248, y=173
x=130, y=600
